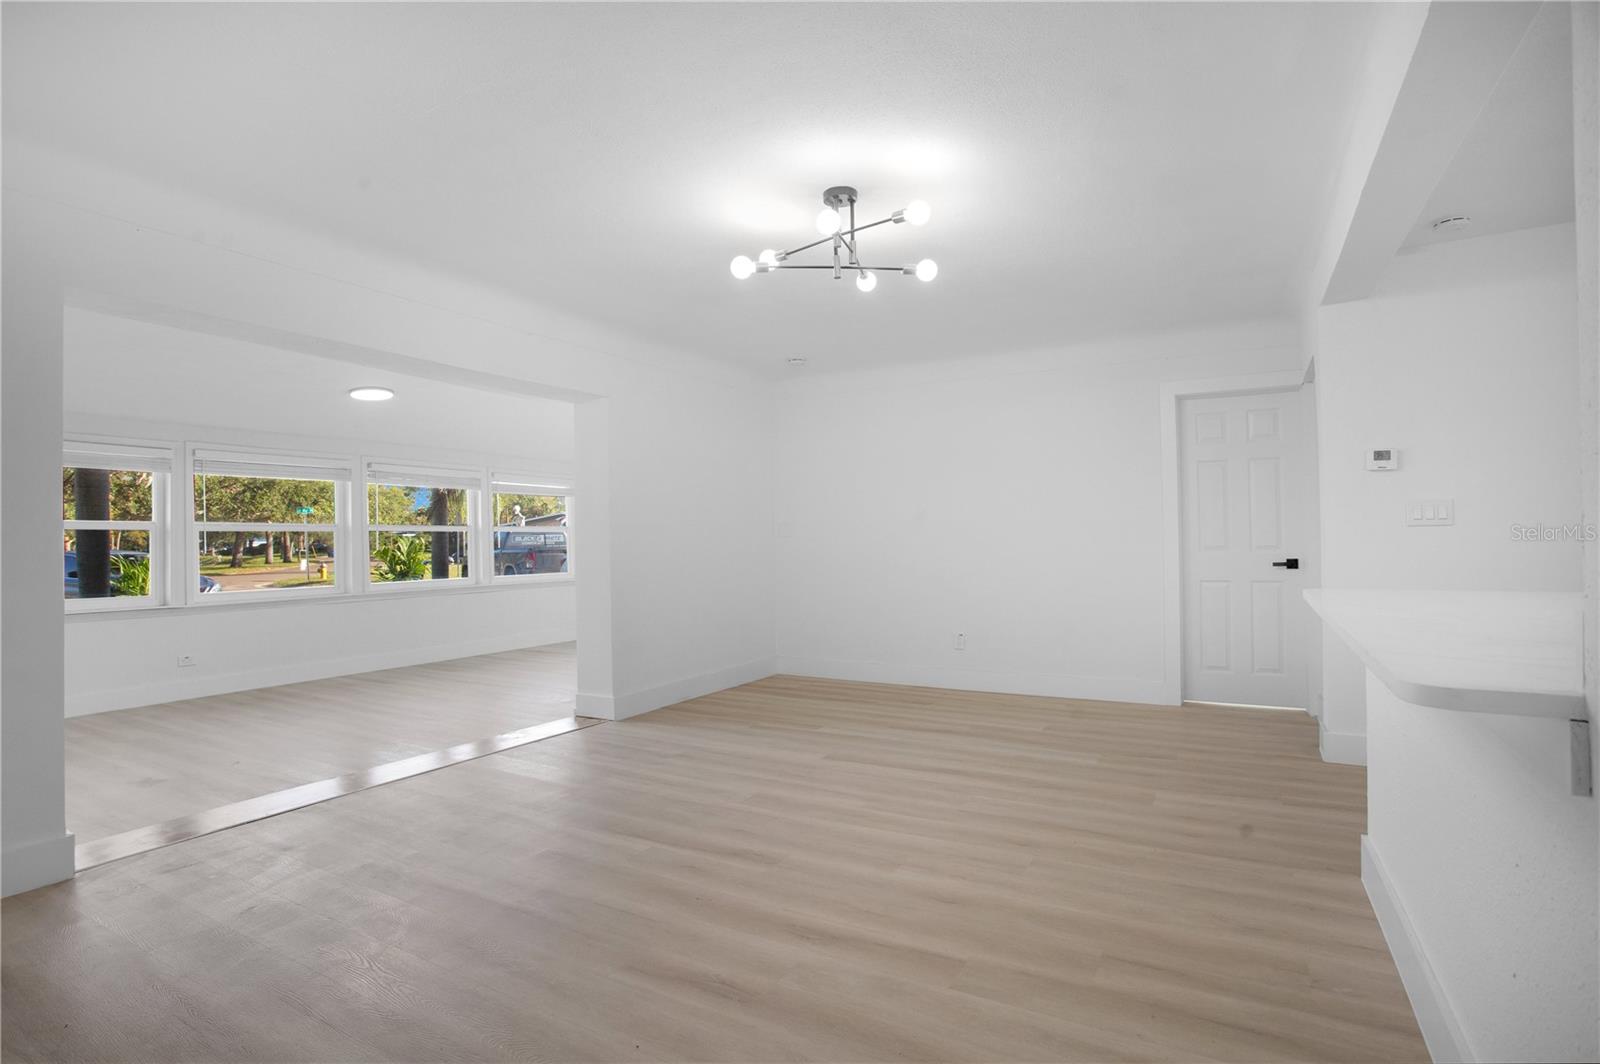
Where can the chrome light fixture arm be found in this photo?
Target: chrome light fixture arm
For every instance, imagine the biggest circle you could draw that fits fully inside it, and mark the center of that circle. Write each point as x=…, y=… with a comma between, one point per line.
x=842, y=234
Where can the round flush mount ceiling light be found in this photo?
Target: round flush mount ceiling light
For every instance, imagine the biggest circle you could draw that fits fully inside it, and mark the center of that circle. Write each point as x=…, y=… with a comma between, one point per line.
x=1451, y=223
x=371, y=393
x=841, y=233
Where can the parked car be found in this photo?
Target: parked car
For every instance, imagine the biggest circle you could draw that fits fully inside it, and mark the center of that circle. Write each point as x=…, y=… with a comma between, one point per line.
x=518, y=551
x=253, y=546
x=70, y=558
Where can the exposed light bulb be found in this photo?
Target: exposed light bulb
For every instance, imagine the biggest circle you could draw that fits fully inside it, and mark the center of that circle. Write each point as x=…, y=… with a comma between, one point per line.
x=867, y=281
x=741, y=267
x=917, y=212
x=768, y=258
x=828, y=221
x=927, y=270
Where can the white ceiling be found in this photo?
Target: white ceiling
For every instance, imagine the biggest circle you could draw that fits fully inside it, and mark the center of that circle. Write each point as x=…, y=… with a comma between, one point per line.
x=1514, y=171
x=1093, y=167
x=119, y=368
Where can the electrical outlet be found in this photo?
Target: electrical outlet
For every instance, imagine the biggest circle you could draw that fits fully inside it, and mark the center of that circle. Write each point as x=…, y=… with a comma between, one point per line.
x=185, y=661
x=961, y=640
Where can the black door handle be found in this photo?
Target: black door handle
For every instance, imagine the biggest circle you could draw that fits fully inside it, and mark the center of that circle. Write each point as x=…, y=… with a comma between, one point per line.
x=1287, y=563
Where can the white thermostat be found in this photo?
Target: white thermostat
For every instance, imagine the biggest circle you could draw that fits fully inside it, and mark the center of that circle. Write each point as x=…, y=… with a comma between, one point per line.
x=1383, y=458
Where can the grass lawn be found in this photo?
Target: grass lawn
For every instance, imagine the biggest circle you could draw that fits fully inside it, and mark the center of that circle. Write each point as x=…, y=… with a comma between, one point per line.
x=211, y=566
x=300, y=579
x=306, y=579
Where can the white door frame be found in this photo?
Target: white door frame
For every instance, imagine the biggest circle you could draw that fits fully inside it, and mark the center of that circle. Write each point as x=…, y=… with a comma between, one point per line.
x=1172, y=501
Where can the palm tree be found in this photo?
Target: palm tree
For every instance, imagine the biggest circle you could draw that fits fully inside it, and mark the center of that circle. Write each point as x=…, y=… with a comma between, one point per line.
x=439, y=514
x=91, y=497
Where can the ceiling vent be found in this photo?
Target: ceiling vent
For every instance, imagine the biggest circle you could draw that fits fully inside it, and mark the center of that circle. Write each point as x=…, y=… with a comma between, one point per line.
x=1451, y=223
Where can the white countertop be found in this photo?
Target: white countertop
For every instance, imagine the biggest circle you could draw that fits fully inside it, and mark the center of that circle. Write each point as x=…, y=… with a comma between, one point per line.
x=1483, y=651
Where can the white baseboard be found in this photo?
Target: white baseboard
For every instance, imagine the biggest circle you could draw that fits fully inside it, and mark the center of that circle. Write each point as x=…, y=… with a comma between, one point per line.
x=36, y=864
x=593, y=705
x=621, y=707
x=1341, y=748
x=1441, y=1029
x=1096, y=688
x=204, y=684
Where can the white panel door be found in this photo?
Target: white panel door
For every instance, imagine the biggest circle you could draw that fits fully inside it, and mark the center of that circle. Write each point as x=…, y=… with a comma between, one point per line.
x=1246, y=504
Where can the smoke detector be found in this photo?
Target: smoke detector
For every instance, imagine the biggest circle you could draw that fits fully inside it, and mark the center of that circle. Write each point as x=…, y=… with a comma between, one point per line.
x=1451, y=223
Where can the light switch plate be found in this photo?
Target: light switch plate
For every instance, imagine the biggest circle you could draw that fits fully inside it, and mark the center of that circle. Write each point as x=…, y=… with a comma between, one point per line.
x=1431, y=512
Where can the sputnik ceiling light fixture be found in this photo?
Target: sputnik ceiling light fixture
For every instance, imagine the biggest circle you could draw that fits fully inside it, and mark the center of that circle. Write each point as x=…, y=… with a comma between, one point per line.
x=839, y=209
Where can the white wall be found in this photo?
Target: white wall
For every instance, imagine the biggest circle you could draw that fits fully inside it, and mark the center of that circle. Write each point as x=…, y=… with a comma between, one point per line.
x=1491, y=861
x=119, y=368
x=37, y=846
x=1586, y=182
x=1464, y=360
x=117, y=660
x=691, y=544
x=140, y=250
x=1014, y=498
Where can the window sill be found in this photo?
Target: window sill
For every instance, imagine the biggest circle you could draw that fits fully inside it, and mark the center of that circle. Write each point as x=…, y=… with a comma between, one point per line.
x=501, y=584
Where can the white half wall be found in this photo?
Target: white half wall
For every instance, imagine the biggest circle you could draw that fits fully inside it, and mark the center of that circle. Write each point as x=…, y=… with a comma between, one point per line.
x=1016, y=499
x=1486, y=866
x=1464, y=361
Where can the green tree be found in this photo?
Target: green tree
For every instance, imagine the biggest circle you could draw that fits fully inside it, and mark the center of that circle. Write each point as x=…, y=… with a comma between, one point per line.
x=260, y=500
x=532, y=506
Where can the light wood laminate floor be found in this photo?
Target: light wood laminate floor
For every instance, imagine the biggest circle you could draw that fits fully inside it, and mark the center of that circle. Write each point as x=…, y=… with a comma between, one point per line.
x=135, y=767
x=791, y=870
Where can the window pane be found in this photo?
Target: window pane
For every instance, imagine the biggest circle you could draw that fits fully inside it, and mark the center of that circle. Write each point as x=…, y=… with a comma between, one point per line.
x=228, y=498
x=100, y=564
x=529, y=535
x=545, y=510
x=410, y=504
x=399, y=556
x=262, y=560
x=521, y=551
x=106, y=495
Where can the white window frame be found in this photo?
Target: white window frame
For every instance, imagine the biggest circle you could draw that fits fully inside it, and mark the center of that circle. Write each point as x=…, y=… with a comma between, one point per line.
x=81, y=453
x=527, y=484
x=395, y=473
x=231, y=461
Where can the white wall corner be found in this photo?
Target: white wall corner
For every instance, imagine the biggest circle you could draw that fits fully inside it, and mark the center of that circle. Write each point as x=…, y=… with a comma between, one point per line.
x=636, y=703
x=1341, y=748
x=1441, y=1029
x=36, y=864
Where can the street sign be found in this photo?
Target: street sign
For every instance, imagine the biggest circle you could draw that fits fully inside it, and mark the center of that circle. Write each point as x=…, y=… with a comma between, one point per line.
x=306, y=510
